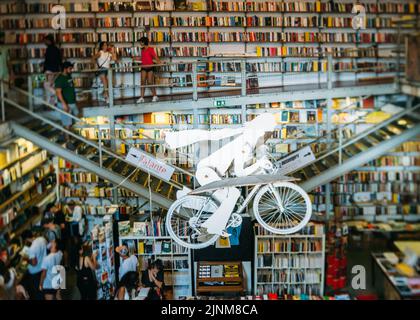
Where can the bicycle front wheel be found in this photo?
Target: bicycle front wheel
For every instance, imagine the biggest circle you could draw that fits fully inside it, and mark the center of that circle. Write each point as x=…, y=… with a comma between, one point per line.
x=184, y=220
x=282, y=208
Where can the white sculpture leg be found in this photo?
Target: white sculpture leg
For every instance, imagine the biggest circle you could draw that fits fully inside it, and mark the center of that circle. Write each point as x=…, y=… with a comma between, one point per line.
x=227, y=198
x=216, y=224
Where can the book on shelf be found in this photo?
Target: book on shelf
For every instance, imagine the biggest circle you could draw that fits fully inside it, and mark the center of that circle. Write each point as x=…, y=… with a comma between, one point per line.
x=123, y=228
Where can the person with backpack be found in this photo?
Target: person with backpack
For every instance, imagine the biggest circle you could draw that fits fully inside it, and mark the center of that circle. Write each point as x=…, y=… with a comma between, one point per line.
x=86, y=279
x=103, y=58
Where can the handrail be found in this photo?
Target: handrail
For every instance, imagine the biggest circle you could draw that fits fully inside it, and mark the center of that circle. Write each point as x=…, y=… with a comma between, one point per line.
x=83, y=121
x=343, y=126
x=86, y=141
x=362, y=134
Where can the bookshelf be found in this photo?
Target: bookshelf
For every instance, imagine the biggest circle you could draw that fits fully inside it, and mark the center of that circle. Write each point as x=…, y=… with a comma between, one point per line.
x=385, y=189
x=98, y=197
x=150, y=242
x=289, y=264
x=26, y=178
x=281, y=35
x=103, y=244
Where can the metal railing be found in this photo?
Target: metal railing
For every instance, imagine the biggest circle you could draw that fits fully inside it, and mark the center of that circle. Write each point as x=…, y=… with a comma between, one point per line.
x=242, y=71
x=101, y=149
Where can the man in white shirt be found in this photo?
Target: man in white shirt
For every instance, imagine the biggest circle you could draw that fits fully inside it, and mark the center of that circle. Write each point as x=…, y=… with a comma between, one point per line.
x=128, y=263
x=36, y=254
x=51, y=261
x=77, y=218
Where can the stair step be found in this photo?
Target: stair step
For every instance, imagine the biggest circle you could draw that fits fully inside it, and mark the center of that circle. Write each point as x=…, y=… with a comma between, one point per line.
x=396, y=128
x=308, y=172
x=320, y=166
x=299, y=175
x=352, y=150
x=108, y=162
x=367, y=142
x=386, y=132
x=331, y=161
x=360, y=145
x=377, y=137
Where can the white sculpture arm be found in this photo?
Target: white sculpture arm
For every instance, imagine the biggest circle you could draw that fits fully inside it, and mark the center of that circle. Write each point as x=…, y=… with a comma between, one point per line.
x=177, y=139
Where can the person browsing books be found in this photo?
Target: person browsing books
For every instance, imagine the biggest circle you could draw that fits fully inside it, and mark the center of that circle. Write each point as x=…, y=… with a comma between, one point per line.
x=148, y=59
x=6, y=70
x=104, y=57
x=127, y=288
x=152, y=278
x=36, y=254
x=52, y=66
x=86, y=280
x=66, y=94
x=128, y=263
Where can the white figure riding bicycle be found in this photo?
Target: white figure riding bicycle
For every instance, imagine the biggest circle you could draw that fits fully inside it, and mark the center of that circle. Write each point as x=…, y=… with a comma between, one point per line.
x=198, y=217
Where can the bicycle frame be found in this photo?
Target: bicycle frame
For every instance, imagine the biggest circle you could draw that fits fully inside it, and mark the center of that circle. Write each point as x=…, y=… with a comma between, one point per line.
x=248, y=198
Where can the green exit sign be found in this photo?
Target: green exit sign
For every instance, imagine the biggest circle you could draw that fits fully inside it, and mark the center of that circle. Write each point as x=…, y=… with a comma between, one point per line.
x=219, y=103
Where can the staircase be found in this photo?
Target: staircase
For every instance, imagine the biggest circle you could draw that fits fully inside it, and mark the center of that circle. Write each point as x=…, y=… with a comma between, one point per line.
x=94, y=157
x=114, y=168
x=360, y=149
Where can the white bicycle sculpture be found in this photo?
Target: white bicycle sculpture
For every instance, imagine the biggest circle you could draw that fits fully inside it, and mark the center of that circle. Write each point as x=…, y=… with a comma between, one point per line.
x=279, y=205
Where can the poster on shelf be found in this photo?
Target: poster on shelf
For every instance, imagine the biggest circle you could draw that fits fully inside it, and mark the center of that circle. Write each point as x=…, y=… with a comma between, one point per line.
x=234, y=235
x=296, y=160
x=149, y=164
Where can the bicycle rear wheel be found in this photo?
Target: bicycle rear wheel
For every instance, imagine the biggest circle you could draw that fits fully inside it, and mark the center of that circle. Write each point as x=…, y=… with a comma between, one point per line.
x=184, y=220
x=282, y=208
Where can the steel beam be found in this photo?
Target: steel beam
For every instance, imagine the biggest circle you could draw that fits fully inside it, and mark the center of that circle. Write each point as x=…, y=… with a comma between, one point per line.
x=88, y=165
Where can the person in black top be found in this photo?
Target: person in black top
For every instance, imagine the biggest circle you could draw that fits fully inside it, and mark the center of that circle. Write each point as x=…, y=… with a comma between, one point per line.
x=86, y=281
x=52, y=66
x=152, y=278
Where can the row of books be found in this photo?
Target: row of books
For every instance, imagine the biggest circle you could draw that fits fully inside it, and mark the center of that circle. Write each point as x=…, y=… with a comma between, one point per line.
x=308, y=276
x=290, y=116
x=78, y=177
x=411, y=146
x=375, y=187
x=291, y=292
x=313, y=6
x=212, y=36
x=289, y=245
x=112, y=209
x=380, y=176
x=13, y=212
x=267, y=295
x=388, y=210
x=215, y=5
x=195, y=21
x=311, y=228
x=289, y=261
x=83, y=192
x=149, y=228
x=395, y=161
x=303, y=104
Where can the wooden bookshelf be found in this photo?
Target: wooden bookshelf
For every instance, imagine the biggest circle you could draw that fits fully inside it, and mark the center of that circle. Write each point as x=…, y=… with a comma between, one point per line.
x=224, y=283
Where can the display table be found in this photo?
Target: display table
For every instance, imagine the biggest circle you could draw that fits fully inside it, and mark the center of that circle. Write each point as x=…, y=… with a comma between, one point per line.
x=412, y=245
x=394, y=284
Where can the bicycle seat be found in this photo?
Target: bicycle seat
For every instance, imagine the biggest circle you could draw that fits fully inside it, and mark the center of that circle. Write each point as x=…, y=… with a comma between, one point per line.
x=243, y=181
